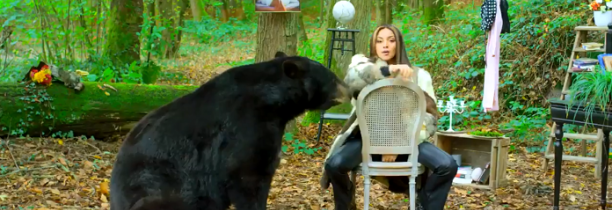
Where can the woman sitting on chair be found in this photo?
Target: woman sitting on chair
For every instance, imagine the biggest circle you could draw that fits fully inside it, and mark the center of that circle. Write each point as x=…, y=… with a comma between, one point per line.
x=388, y=59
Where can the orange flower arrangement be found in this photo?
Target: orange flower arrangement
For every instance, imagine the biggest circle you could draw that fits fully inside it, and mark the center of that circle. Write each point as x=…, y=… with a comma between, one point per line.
x=598, y=6
x=595, y=6
x=42, y=76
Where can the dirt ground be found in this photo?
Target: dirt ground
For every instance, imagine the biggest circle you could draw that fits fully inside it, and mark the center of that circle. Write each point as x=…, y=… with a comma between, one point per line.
x=74, y=174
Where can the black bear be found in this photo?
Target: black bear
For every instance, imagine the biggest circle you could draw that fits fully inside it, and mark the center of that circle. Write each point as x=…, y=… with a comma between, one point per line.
x=219, y=145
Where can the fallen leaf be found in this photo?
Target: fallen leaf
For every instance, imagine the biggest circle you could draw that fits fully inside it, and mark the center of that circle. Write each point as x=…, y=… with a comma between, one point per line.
x=36, y=190
x=103, y=198
x=55, y=191
x=104, y=188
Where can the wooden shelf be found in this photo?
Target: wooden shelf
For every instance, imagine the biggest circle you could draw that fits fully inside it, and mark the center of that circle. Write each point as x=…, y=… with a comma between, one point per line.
x=592, y=136
x=574, y=158
x=579, y=49
x=590, y=28
x=473, y=185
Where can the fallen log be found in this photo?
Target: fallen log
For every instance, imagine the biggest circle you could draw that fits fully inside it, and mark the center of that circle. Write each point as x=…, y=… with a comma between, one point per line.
x=99, y=110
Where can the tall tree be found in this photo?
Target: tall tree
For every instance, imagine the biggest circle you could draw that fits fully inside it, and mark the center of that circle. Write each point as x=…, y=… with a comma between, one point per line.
x=172, y=12
x=123, y=45
x=433, y=11
x=302, y=36
x=225, y=7
x=210, y=9
x=322, y=12
x=236, y=9
x=196, y=11
x=383, y=12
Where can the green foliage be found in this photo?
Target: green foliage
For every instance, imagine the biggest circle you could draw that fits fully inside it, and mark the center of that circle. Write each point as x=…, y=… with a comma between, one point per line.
x=299, y=146
x=534, y=55
x=486, y=133
x=592, y=90
x=214, y=31
x=454, y=51
x=31, y=111
x=73, y=35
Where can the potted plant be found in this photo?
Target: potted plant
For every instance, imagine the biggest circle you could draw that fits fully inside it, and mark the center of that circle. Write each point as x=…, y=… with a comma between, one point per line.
x=590, y=98
x=601, y=12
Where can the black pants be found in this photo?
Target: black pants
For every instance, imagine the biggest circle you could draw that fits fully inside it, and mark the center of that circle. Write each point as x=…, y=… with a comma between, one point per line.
x=432, y=195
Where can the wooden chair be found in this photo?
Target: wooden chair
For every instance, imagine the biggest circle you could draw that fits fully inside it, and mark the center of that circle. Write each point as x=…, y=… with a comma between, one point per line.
x=390, y=115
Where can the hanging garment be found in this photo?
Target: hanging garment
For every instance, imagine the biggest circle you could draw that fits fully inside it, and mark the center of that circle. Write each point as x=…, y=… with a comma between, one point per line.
x=504, y=15
x=491, y=78
x=487, y=13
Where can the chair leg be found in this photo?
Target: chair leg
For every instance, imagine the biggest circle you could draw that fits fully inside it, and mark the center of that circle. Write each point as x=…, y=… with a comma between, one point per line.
x=320, y=125
x=413, y=193
x=366, y=192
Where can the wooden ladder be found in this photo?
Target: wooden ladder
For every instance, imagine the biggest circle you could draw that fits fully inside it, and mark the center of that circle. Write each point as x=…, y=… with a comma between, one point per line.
x=581, y=36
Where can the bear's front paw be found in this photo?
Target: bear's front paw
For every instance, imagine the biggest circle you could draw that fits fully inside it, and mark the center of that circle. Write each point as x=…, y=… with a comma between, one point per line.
x=324, y=182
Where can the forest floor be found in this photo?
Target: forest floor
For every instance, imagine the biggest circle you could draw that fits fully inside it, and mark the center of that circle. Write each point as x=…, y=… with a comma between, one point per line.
x=74, y=174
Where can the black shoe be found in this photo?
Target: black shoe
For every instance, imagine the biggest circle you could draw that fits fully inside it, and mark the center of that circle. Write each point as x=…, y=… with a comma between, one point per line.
x=419, y=205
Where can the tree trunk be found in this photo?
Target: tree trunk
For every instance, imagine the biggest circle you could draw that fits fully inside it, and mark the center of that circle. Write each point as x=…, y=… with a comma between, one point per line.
x=35, y=110
x=122, y=44
x=225, y=11
x=196, y=11
x=236, y=9
x=433, y=11
x=383, y=12
x=412, y=4
x=211, y=11
x=302, y=35
x=361, y=21
x=150, y=10
x=277, y=32
x=322, y=13
x=173, y=12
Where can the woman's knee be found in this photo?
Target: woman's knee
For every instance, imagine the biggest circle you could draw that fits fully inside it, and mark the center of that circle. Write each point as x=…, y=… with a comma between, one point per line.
x=336, y=164
x=448, y=167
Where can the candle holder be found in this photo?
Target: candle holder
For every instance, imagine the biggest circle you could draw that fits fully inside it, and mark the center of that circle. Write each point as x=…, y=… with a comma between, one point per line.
x=451, y=107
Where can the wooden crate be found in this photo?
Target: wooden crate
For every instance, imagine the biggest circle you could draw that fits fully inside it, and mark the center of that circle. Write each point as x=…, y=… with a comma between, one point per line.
x=477, y=152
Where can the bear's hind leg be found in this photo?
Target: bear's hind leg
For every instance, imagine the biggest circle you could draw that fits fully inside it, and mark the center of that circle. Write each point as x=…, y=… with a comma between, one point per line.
x=250, y=193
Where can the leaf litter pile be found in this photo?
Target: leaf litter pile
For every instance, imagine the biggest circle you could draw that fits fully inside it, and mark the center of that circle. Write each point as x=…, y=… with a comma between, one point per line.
x=49, y=173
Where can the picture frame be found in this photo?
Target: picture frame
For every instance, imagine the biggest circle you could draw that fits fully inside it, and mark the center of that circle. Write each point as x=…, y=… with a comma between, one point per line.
x=277, y=6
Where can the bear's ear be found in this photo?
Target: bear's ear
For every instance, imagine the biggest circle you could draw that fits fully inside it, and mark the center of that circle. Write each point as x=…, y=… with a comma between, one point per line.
x=280, y=54
x=294, y=69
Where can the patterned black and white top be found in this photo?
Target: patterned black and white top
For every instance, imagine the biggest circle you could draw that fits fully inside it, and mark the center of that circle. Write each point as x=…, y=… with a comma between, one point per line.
x=487, y=13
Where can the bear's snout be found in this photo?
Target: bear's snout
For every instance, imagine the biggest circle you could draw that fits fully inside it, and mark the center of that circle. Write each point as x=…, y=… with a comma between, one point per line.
x=342, y=92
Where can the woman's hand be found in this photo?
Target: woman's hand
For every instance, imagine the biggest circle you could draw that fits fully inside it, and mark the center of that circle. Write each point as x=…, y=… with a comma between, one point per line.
x=389, y=158
x=403, y=70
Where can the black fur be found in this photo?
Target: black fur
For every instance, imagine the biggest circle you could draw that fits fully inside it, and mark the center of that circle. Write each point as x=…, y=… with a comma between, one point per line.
x=219, y=145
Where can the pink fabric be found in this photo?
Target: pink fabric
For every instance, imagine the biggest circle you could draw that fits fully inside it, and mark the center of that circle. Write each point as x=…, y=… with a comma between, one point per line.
x=491, y=78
